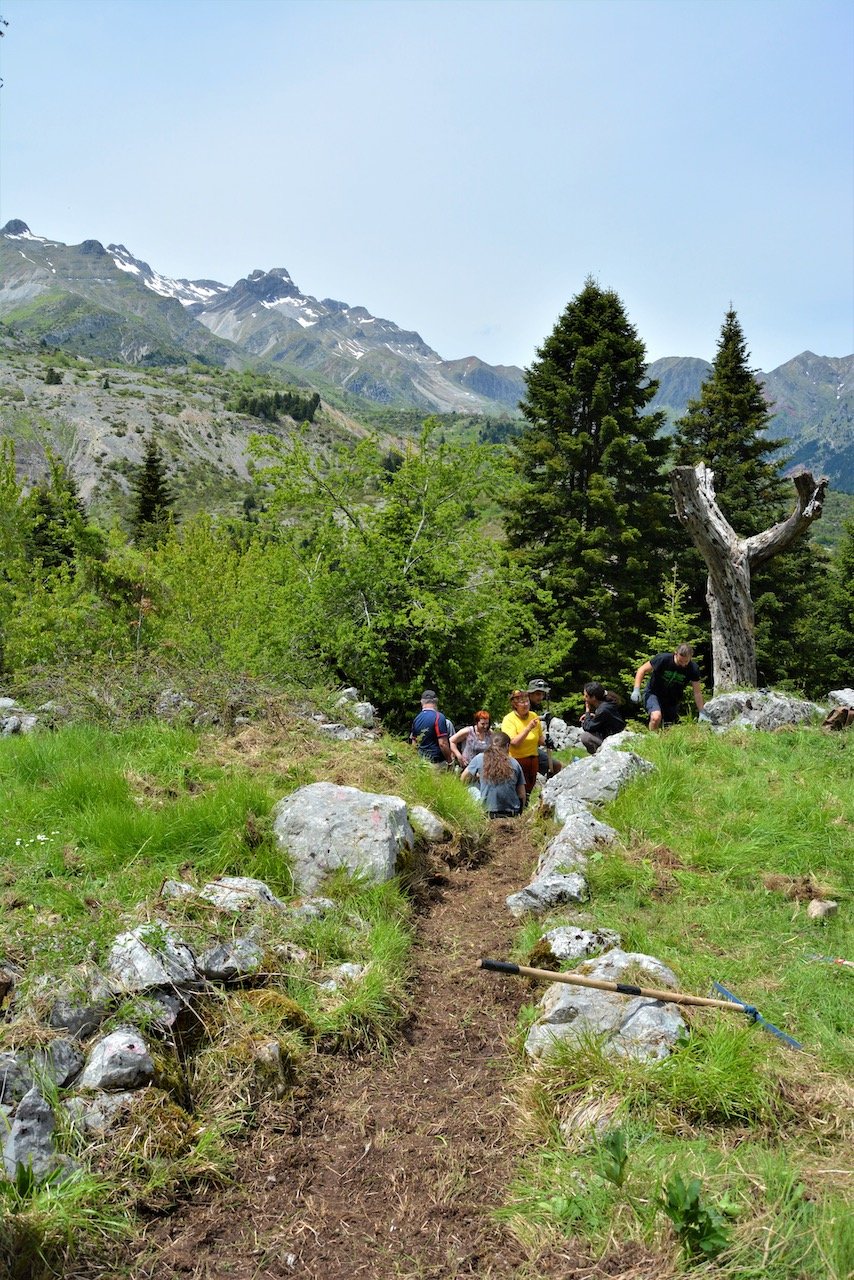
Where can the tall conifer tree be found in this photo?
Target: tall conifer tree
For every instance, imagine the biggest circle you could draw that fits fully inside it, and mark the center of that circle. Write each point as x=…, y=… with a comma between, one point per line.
x=590, y=521
x=153, y=497
x=726, y=428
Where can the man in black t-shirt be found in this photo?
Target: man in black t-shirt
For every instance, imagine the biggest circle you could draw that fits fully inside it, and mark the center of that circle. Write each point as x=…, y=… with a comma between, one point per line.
x=668, y=675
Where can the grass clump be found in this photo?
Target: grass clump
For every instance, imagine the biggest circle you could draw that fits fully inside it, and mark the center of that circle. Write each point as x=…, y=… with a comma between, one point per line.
x=44, y=1226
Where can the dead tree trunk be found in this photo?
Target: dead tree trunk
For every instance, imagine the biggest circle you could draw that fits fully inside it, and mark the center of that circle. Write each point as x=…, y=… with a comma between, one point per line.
x=729, y=560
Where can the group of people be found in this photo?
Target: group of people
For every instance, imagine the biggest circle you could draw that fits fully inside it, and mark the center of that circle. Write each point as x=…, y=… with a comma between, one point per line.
x=505, y=762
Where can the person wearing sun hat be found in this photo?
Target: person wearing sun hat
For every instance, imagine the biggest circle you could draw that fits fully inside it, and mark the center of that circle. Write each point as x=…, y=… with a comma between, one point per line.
x=525, y=731
x=538, y=693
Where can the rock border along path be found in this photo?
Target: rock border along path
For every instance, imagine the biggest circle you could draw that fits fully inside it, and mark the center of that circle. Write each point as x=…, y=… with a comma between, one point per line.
x=390, y=1168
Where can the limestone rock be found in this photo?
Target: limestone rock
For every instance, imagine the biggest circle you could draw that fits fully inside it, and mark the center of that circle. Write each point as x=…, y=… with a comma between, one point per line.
x=164, y=1011
x=547, y=892
x=592, y=781
x=432, y=828
x=232, y=961
x=177, y=889
x=822, y=909
x=94, y=1116
x=580, y=833
x=568, y=942
x=29, y=1141
x=234, y=893
x=618, y=740
x=16, y=1077
x=364, y=714
x=80, y=1019
x=150, y=956
x=323, y=827
x=628, y=1026
x=563, y=735
x=60, y=1062
x=340, y=732
x=841, y=697
x=342, y=975
x=759, y=709
x=313, y=908
x=120, y=1061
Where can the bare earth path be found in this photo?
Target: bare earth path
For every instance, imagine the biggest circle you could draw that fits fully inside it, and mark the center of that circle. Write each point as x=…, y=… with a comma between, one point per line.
x=393, y=1167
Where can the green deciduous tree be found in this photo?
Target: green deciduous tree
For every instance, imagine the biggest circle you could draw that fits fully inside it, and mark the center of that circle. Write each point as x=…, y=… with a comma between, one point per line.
x=589, y=522
x=401, y=587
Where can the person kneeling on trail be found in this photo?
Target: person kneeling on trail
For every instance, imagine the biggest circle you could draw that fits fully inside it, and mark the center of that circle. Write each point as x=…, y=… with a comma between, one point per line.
x=602, y=717
x=668, y=675
x=500, y=780
x=471, y=741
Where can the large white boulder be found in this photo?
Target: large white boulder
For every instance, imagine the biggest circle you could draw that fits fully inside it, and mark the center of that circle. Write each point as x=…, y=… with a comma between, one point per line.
x=591, y=781
x=324, y=827
x=565, y=851
x=627, y=1026
x=759, y=709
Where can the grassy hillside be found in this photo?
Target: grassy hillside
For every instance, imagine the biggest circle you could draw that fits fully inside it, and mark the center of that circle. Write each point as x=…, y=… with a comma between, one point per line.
x=719, y=849
x=722, y=848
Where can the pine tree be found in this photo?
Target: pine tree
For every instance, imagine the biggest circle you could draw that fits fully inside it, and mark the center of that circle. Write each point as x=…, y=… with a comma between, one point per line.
x=589, y=523
x=827, y=632
x=56, y=519
x=726, y=428
x=153, y=497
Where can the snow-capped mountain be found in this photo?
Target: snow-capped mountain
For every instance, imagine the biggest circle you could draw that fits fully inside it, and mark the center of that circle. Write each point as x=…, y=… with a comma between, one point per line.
x=107, y=302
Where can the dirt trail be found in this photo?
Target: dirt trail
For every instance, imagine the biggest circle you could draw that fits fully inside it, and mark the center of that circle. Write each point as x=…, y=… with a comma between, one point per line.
x=394, y=1166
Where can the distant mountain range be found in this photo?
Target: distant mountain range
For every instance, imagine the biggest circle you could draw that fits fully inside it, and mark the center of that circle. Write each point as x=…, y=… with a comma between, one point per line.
x=103, y=303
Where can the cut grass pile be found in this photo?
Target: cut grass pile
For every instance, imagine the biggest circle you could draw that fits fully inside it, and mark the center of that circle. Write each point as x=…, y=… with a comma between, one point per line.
x=721, y=847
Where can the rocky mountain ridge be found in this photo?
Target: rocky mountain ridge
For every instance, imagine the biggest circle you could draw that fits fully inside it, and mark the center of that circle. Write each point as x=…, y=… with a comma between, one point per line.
x=106, y=304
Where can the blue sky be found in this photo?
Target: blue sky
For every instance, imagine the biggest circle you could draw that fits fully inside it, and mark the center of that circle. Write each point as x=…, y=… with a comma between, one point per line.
x=458, y=166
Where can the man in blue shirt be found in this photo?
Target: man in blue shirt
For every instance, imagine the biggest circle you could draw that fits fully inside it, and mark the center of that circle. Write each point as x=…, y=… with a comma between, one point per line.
x=429, y=732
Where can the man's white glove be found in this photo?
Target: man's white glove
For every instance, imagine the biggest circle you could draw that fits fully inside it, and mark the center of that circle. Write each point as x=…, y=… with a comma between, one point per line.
x=635, y=695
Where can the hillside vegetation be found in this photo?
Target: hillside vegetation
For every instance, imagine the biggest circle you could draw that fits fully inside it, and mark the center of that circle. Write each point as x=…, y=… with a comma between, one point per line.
x=466, y=555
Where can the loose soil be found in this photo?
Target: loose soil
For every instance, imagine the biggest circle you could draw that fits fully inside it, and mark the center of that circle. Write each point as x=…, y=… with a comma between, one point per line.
x=394, y=1167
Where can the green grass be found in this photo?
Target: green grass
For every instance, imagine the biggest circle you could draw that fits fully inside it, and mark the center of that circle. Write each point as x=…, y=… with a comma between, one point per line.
x=767, y=1130
x=92, y=821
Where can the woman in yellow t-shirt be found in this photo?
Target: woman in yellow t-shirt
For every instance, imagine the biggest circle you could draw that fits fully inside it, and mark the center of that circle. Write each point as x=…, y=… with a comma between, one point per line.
x=525, y=732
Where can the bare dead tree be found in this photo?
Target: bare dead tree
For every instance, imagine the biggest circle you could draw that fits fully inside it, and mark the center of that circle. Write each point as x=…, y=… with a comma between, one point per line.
x=729, y=560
